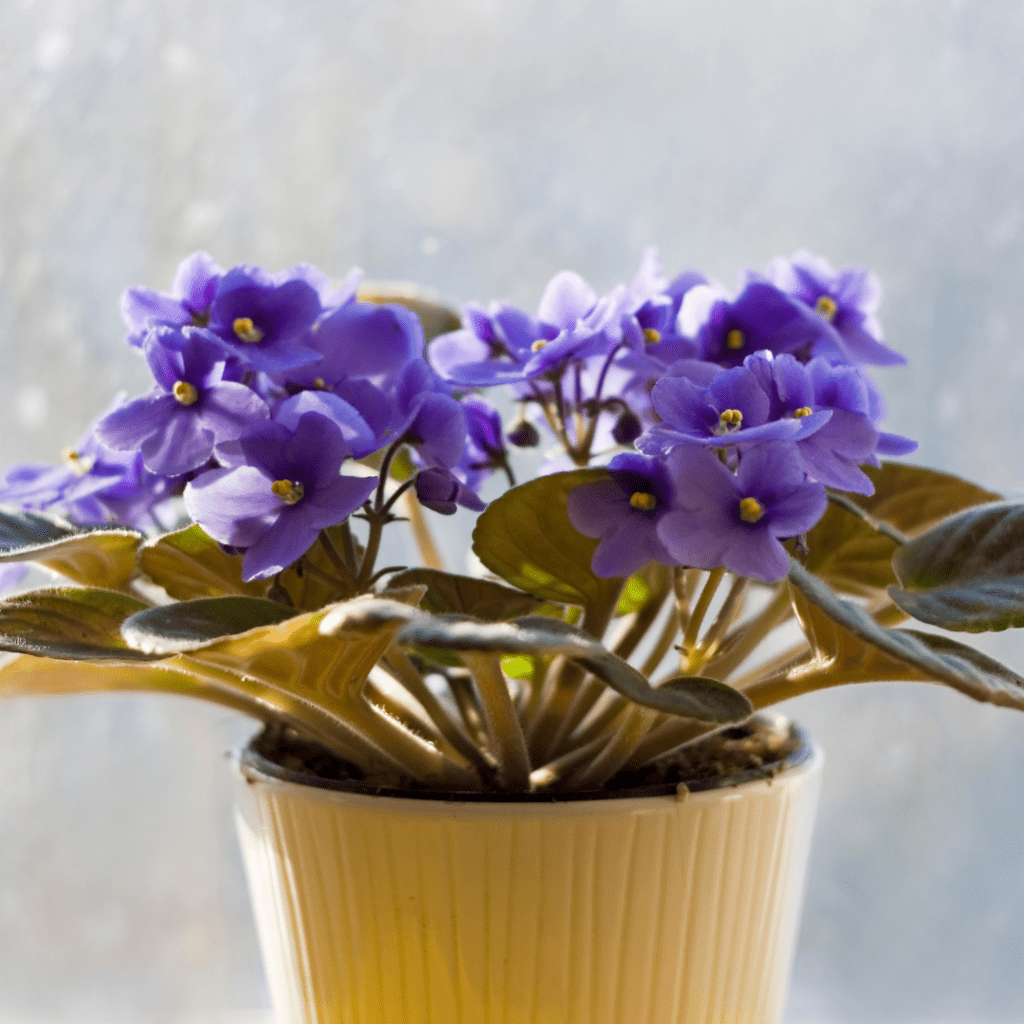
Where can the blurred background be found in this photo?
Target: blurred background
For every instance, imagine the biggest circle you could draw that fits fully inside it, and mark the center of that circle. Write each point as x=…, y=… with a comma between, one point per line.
x=478, y=147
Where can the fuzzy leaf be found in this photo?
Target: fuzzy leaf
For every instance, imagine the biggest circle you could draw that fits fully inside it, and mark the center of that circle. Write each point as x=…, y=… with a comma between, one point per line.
x=69, y=623
x=851, y=557
x=967, y=573
x=31, y=676
x=464, y=595
x=97, y=557
x=705, y=699
x=189, y=625
x=937, y=658
x=641, y=587
x=188, y=564
x=307, y=589
x=526, y=538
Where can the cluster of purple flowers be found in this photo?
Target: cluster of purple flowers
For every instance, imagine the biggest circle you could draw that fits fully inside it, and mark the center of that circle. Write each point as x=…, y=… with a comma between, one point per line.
x=264, y=385
x=743, y=408
x=721, y=419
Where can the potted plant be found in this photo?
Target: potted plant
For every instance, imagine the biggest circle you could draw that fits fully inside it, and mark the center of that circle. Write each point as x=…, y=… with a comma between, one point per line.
x=547, y=791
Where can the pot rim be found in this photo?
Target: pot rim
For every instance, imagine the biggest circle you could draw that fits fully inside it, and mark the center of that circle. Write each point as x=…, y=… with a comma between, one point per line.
x=255, y=767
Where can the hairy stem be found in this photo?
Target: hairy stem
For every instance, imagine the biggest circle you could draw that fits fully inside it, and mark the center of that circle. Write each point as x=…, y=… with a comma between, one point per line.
x=424, y=541
x=739, y=644
x=886, y=529
x=504, y=732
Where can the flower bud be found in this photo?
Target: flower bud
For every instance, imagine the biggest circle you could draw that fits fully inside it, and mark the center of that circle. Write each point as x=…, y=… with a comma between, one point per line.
x=627, y=427
x=524, y=435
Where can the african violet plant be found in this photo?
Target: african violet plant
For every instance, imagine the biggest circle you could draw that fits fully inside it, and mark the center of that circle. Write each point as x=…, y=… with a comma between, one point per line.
x=714, y=470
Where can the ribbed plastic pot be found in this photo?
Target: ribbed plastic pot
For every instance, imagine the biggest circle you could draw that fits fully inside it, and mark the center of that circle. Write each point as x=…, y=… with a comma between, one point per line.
x=656, y=909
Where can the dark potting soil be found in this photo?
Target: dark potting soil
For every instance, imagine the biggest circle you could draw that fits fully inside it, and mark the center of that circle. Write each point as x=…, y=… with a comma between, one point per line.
x=758, y=748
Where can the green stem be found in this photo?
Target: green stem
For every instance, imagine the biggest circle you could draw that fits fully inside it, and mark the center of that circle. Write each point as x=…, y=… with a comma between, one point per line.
x=563, y=679
x=548, y=776
x=668, y=633
x=402, y=668
x=700, y=610
x=420, y=530
x=377, y=522
x=886, y=529
x=731, y=607
x=504, y=731
x=739, y=644
x=348, y=545
x=667, y=737
x=627, y=738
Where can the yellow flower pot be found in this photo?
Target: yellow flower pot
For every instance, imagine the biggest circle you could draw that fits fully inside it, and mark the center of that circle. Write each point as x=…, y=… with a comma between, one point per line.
x=668, y=909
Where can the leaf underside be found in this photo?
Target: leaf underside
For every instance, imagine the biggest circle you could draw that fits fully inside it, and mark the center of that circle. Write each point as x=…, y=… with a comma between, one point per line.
x=967, y=573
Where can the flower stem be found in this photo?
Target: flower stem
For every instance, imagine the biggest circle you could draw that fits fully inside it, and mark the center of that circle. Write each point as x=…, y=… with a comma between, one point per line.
x=878, y=525
x=420, y=530
x=700, y=610
x=504, y=731
x=745, y=638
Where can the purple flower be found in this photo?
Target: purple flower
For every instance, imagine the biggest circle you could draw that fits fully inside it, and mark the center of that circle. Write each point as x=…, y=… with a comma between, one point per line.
x=288, y=490
x=492, y=348
x=191, y=409
x=654, y=306
x=737, y=520
x=834, y=452
x=624, y=512
x=359, y=341
x=761, y=317
x=262, y=317
x=846, y=299
x=485, y=441
x=733, y=409
x=94, y=485
x=188, y=302
x=429, y=418
x=505, y=345
x=358, y=435
x=441, y=491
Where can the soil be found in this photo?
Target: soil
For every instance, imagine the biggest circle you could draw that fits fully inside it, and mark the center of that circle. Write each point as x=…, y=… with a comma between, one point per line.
x=758, y=747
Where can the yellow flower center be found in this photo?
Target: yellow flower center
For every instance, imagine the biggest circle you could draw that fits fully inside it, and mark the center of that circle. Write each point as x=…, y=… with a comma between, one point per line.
x=81, y=464
x=643, y=501
x=728, y=421
x=538, y=345
x=245, y=330
x=804, y=410
x=320, y=384
x=289, y=491
x=826, y=306
x=185, y=392
x=652, y=335
x=734, y=339
x=751, y=510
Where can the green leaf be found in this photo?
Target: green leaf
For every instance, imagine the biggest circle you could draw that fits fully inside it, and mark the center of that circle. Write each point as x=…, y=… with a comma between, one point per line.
x=307, y=589
x=526, y=538
x=705, y=699
x=69, y=623
x=464, y=595
x=188, y=564
x=98, y=556
x=32, y=676
x=435, y=317
x=967, y=573
x=189, y=625
x=935, y=657
x=518, y=666
x=642, y=586
x=851, y=557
